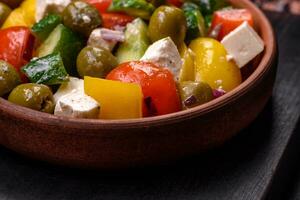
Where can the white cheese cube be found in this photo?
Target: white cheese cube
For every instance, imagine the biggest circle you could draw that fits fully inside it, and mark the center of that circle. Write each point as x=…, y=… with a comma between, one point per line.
x=45, y=7
x=243, y=44
x=73, y=85
x=165, y=54
x=77, y=105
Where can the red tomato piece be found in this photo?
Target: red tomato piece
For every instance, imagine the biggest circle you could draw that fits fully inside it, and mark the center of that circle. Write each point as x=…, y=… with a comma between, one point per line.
x=101, y=5
x=158, y=86
x=230, y=20
x=177, y=3
x=16, y=46
x=111, y=20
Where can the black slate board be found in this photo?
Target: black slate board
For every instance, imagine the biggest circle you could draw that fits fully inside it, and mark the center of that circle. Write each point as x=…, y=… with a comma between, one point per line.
x=257, y=164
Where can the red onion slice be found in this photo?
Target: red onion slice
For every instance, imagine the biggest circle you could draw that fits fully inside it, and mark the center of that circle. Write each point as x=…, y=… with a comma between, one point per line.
x=218, y=93
x=111, y=35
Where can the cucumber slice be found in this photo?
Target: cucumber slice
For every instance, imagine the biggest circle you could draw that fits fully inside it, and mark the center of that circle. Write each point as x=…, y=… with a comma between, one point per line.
x=195, y=21
x=67, y=43
x=136, y=8
x=136, y=42
x=208, y=7
x=48, y=70
x=43, y=28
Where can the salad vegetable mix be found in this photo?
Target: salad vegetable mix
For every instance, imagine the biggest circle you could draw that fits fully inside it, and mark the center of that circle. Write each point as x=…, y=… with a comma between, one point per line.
x=122, y=59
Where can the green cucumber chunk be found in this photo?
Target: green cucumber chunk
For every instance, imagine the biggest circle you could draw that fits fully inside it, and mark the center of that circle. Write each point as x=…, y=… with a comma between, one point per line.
x=136, y=42
x=195, y=21
x=44, y=27
x=208, y=7
x=67, y=43
x=136, y=8
x=48, y=70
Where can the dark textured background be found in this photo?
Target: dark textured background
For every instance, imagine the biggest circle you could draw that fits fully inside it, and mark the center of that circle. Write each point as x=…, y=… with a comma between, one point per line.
x=292, y=6
x=261, y=162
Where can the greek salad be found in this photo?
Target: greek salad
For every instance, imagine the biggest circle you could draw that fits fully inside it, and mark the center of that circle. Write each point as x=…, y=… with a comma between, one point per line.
x=122, y=59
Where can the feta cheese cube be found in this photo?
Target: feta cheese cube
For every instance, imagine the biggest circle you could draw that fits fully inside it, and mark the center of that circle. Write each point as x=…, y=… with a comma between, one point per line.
x=165, y=54
x=243, y=44
x=77, y=105
x=71, y=101
x=73, y=85
x=45, y=7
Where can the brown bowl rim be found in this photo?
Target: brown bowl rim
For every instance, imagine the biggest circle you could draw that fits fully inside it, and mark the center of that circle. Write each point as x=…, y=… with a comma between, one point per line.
x=265, y=64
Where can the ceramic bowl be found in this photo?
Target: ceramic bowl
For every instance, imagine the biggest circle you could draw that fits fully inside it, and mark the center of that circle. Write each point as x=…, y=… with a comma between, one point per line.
x=105, y=144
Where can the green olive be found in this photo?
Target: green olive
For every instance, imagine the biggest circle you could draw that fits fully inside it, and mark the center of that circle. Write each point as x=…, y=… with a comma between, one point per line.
x=12, y=3
x=81, y=17
x=95, y=62
x=168, y=21
x=195, y=93
x=9, y=78
x=4, y=12
x=35, y=96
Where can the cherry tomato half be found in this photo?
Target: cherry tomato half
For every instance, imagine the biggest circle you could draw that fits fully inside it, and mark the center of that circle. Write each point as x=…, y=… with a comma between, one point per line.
x=177, y=3
x=16, y=47
x=158, y=85
x=111, y=20
x=101, y=5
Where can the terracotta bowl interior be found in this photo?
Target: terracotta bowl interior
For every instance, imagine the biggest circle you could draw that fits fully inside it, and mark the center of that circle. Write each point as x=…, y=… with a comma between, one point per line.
x=263, y=27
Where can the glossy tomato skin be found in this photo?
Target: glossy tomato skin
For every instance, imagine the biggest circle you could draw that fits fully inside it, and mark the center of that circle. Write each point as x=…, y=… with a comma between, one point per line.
x=16, y=46
x=158, y=85
x=112, y=20
x=230, y=20
x=101, y=5
x=177, y=3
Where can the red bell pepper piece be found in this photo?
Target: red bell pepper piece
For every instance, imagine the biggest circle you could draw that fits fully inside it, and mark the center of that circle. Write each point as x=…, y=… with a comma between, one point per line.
x=111, y=20
x=230, y=20
x=101, y=5
x=158, y=86
x=16, y=46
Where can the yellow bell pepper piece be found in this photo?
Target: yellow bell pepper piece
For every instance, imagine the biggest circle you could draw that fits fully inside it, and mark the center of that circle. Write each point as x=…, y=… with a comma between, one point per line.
x=117, y=100
x=212, y=66
x=22, y=16
x=187, y=72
